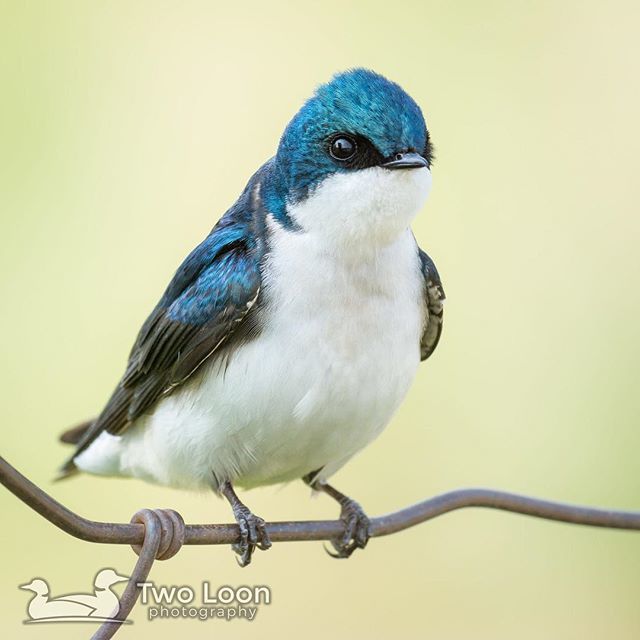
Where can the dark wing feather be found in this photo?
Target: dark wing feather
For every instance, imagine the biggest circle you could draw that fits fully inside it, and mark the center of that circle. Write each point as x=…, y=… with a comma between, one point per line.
x=207, y=299
x=434, y=298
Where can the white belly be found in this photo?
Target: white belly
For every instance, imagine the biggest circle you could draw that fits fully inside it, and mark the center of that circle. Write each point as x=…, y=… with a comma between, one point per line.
x=337, y=353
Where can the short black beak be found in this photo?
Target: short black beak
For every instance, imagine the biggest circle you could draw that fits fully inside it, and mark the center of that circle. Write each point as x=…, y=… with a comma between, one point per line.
x=406, y=161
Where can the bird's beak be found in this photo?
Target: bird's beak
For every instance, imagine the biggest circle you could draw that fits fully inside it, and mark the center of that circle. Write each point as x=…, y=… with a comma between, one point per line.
x=406, y=161
x=27, y=587
x=121, y=578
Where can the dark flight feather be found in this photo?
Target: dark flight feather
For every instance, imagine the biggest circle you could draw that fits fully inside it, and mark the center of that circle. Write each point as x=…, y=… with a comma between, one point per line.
x=434, y=299
x=205, y=303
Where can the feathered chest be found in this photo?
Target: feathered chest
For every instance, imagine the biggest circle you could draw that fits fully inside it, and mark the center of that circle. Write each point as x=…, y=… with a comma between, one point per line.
x=354, y=316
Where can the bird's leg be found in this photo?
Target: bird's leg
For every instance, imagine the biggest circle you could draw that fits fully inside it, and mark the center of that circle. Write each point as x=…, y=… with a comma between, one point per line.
x=253, y=532
x=356, y=523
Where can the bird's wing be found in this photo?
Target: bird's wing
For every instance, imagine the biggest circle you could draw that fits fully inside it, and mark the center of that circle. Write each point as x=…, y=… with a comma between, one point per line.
x=202, y=308
x=434, y=299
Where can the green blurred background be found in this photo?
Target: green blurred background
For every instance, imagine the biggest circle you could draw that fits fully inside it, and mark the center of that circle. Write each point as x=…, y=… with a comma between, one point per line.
x=128, y=128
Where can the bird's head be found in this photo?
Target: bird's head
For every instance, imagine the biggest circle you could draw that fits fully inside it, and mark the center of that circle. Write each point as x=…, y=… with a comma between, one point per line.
x=107, y=577
x=354, y=162
x=38, y=586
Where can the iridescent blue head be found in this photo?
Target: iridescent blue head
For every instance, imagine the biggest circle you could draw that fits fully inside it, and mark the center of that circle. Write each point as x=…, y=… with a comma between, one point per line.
x=357, y=122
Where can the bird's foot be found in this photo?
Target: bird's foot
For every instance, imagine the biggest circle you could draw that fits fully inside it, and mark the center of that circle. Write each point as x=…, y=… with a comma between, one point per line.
x=253, y=534
x=357, y=526
x=356, y=530
x=253, y=530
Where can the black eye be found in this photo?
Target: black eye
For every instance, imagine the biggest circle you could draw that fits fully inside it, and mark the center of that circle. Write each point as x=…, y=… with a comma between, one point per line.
x=343, y=148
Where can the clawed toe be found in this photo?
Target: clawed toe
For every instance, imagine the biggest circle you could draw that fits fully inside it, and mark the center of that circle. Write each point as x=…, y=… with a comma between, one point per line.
x=356, y=530
x=253, y=534
x=253, y=530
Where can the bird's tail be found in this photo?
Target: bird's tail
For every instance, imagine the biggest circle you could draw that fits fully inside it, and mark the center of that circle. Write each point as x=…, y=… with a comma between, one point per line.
x=67, y=470
x=72, y=436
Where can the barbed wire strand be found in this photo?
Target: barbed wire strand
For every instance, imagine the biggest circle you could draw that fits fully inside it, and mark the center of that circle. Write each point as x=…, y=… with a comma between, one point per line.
x=159, y=534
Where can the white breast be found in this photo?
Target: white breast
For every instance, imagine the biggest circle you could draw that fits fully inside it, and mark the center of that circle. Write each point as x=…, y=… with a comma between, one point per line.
x=338, y=350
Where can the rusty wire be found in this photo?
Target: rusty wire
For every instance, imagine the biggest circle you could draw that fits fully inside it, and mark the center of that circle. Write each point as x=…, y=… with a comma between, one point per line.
x=159, y=534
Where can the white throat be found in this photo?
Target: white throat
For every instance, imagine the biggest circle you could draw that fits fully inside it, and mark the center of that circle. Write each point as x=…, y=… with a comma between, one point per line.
x=369, y=208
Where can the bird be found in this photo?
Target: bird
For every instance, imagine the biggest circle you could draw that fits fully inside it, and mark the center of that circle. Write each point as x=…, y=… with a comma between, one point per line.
x=41, y=607
x=104, y=602
x=290, y=335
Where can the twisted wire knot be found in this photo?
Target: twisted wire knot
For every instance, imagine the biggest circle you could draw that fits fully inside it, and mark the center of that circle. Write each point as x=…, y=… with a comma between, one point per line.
x=168, y=523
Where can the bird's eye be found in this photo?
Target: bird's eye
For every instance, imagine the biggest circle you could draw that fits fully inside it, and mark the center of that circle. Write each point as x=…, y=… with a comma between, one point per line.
x=343, y=148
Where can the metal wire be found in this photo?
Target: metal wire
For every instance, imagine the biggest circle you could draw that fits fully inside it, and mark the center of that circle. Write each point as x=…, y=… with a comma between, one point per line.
x=147, y=553
x=159, y=534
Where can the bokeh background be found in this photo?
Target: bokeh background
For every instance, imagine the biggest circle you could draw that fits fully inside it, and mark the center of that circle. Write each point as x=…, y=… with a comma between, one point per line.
x=127, y=129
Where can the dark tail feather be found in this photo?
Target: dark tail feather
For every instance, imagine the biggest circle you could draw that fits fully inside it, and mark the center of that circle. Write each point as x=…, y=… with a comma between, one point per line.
x=67, y=470
x=72, y=436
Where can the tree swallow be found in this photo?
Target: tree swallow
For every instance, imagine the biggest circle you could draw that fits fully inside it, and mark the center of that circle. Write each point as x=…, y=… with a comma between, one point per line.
x=288, y=338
